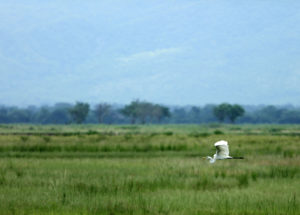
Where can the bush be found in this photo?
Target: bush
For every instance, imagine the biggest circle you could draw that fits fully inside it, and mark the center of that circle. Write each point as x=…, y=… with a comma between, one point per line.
x=218, y=132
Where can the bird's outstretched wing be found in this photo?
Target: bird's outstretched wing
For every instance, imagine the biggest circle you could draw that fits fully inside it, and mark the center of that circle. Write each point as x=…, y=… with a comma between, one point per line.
x=222, y=149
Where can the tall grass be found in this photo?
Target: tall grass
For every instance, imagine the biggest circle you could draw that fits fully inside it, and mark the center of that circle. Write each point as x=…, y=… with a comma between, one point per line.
x=155, y=171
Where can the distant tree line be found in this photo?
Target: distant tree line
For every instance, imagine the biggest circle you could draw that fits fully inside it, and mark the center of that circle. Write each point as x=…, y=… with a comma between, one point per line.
x=225, y=110
x=146, y=112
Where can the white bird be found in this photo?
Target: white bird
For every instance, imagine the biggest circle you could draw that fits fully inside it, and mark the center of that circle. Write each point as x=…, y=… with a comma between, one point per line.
x=222, y=152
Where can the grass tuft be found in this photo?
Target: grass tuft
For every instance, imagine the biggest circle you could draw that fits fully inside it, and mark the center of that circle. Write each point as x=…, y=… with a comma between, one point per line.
x=24, y=138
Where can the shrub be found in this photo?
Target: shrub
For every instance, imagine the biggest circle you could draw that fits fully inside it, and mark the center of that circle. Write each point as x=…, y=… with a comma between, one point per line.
x=218, y=132
x=168, y=133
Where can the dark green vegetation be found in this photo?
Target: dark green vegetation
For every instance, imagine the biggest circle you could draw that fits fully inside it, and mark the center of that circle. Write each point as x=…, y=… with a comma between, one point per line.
x=146, y=112
x=79, y=112
x=225, y=110
x=90, y=169
x=64, y=113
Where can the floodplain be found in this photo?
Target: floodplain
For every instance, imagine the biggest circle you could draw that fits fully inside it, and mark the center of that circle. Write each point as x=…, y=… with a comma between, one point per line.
x=148, y=169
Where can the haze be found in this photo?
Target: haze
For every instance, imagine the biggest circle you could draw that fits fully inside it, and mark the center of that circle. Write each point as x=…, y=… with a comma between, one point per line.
x=170, y=52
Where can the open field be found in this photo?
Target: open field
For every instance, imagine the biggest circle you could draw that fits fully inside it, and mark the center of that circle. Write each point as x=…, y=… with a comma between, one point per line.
x=157, y=169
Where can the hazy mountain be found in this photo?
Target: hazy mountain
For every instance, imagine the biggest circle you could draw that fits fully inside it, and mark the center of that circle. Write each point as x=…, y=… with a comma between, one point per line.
x=171, y=52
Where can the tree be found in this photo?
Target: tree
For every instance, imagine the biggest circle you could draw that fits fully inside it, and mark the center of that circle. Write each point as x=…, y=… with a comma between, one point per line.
x=102, y=110
x=17, y=115
x=290, y=116
x=159, y=112
x=4, y=115
x=138, y=110
x=131, y=111
x=145, y=111
x=269, y=114
x=221, y=111
x=225, y=110
x=194, y=114
x=59, y=116
x=207, y=114
x=179, y=115
x=79, y=112
x=234, y=112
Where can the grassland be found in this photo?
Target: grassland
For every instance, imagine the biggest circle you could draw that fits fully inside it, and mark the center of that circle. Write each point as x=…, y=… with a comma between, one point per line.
x=150, y=169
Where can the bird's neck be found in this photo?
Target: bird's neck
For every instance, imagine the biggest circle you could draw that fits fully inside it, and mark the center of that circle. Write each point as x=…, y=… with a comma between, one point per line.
x=211, y=160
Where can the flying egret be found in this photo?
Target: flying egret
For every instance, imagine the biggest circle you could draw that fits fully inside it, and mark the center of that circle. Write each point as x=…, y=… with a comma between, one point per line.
x=222, y=152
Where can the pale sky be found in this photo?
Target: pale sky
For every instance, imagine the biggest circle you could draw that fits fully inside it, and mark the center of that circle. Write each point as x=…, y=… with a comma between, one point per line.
x=173, y=52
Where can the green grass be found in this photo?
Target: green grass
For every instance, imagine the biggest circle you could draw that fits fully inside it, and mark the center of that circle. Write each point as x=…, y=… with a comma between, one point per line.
x=205, y=129
x=90, y=169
